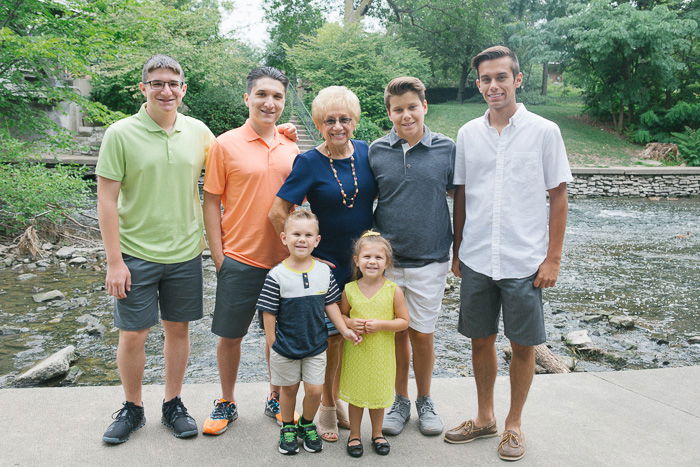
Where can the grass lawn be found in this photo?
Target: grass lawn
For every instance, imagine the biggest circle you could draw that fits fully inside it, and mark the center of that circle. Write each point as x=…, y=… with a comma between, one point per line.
x=586, y=144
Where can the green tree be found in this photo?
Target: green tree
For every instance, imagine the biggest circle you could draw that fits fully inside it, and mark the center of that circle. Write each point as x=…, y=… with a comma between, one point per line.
x=364, y=62
x=449, y=32
x=290, y=19
x=185, y=29
x=625, y=59
x=43, y=44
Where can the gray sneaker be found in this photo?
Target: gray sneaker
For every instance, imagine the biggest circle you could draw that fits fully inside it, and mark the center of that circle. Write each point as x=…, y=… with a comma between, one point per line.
x=399, y=414
x=429, y=422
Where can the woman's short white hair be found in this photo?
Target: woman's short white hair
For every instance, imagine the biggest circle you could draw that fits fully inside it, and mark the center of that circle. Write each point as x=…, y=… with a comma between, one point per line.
x=334, y=98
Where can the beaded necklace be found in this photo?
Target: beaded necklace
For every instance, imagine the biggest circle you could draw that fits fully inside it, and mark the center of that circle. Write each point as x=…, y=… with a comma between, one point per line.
x=348, y=202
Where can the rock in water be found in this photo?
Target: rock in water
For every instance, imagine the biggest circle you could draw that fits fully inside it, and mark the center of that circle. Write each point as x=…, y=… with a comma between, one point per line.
x=694, y=340
x=77, y=261
x=624, y=322
x=577, y=338
x=47, y=296
x=65, y=252
x=57, y=364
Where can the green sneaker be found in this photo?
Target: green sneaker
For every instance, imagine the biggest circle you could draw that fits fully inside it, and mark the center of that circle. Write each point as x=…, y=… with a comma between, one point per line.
x=288, y=440
x=312, y=441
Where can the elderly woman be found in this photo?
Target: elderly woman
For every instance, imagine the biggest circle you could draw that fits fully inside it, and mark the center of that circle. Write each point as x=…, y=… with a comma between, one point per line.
x=336, y=179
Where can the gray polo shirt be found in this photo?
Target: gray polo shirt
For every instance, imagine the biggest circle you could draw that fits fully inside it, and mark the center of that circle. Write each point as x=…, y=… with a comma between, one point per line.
x=412, y=210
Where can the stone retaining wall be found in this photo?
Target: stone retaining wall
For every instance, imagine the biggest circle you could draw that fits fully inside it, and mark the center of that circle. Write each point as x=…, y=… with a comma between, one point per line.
x=635, y=181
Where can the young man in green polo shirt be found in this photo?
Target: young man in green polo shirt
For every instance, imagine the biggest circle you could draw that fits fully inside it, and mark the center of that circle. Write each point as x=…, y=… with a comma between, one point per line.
x=151, y=224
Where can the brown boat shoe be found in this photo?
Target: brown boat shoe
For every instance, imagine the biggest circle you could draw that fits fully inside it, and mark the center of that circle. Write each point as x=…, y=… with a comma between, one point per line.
x=511, y=447
x=468, y=431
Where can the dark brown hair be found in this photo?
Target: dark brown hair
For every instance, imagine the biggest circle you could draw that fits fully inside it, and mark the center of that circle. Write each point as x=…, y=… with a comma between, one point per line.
x=493, y=53
x=402, y=85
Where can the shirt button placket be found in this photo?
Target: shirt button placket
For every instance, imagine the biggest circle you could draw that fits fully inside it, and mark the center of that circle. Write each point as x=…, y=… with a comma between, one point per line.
x=497, y=209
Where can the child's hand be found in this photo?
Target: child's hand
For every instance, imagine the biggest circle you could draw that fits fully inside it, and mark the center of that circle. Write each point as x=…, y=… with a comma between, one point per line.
x=372, y=325
x=356, y=325
x=351, y=336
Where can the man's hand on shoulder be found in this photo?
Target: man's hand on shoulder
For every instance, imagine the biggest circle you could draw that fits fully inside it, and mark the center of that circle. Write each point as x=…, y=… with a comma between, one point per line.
x=288, y=130
x=547, y=274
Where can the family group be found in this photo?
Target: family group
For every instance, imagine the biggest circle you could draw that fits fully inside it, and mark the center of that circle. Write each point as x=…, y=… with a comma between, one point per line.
x=348, y=293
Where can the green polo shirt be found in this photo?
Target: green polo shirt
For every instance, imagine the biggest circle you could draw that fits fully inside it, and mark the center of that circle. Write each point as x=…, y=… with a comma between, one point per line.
x=160, y=214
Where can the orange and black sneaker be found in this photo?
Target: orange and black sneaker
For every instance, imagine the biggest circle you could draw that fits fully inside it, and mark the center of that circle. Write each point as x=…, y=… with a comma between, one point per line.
x=272, y=408
x=224, y=413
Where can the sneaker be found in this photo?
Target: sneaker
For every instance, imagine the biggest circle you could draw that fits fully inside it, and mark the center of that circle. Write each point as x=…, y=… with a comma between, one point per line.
x=224, y=413
x=399, y=414
x=272, y=408
x=429, y=422
x=176, y=417
x=468, y=431
x=309, y=434
x=272, y=405
x=127, y=419
x=511, y=447
x=288, y=440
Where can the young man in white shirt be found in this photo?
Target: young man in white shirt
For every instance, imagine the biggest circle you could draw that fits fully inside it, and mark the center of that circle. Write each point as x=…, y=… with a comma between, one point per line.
x=508, y=241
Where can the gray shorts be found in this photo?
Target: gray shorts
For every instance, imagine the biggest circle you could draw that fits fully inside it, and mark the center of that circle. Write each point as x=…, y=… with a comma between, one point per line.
x=177, y=288
x=481, y=302
x=238, y=286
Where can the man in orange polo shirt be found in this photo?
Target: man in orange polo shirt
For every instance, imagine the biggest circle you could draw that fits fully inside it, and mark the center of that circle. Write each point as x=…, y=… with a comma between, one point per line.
x=246, y=167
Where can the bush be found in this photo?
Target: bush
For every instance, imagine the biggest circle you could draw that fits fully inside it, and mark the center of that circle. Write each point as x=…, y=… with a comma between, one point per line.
x=688, y=145
x=221, y=108
x=660, y=124
x=368, y=131
x=30, y=193
x=533, y=97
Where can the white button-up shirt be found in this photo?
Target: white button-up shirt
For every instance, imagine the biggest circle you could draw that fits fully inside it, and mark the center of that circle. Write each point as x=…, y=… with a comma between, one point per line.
x=506, y=177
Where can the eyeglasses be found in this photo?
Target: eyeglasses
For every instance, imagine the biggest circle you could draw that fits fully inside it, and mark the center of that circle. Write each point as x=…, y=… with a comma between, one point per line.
x=333, y=121
x=157, y=85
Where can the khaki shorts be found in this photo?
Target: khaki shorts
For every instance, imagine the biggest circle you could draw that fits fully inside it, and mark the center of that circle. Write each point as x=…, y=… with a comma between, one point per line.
x=424, y=288
x=287, y=372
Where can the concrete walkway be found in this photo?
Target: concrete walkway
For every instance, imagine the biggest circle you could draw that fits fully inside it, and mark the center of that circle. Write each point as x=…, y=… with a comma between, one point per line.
x=646, y=417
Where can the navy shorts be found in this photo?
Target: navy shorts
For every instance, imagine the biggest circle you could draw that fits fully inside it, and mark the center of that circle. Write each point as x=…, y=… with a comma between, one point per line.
x=174, y=288
x=481, y=302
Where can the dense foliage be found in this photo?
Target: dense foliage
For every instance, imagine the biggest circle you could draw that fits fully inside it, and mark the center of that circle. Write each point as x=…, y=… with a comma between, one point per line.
x=364, y=62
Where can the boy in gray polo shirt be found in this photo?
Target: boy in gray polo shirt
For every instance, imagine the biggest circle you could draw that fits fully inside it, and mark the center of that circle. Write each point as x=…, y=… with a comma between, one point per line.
x=413, y=168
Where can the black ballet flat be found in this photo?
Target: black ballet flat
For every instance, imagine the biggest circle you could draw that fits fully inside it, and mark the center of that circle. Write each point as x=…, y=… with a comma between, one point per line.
x=381, y=447
x=356, y=450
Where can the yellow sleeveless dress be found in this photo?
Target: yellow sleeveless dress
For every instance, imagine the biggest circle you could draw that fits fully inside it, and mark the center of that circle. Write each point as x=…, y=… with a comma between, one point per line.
x=369, y=368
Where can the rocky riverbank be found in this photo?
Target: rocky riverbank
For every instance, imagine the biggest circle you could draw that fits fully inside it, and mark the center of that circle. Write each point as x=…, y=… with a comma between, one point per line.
x=627, y=297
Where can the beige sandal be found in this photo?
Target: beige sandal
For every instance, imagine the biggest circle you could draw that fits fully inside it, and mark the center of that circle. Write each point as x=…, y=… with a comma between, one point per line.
x=327, y=424
x=341, y=414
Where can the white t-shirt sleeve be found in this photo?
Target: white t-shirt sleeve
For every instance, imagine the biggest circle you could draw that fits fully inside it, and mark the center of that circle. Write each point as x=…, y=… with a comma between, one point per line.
x=554, y=160
x=460, y=171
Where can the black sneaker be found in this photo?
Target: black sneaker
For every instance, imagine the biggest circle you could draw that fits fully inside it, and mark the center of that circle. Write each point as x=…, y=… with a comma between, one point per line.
x=288, y=440
x=176, y=417
x=308, y=433
x=127, y=419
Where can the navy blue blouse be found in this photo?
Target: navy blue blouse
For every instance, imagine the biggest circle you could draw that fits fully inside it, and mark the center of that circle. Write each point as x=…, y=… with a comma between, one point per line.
x=312, y=178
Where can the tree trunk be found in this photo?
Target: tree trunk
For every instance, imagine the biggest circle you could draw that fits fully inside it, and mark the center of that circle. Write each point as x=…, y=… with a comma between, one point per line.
x=352, y=14
x=547, y=360
x=462, y=83
x=545, y=78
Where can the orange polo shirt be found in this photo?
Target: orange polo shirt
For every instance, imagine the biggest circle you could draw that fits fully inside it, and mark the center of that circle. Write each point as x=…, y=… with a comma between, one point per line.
x=247, y=173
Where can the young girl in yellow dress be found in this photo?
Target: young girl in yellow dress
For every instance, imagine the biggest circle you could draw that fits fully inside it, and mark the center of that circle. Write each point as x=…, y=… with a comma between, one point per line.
x=375, y=308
